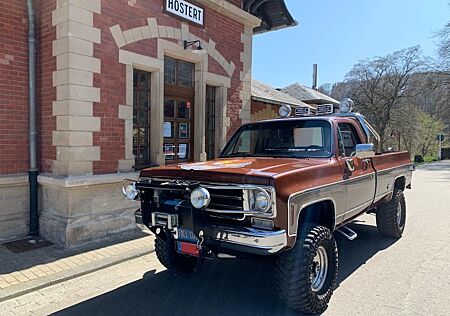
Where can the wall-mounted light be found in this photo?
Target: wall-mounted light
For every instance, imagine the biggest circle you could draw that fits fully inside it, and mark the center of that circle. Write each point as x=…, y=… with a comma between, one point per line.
x=198, y=50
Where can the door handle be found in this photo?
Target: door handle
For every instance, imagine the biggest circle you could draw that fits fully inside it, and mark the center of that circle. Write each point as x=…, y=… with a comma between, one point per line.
x=365, y=164
x=350, y=165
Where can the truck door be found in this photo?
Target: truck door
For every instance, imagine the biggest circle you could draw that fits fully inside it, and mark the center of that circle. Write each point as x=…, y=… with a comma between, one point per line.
x=358, y=174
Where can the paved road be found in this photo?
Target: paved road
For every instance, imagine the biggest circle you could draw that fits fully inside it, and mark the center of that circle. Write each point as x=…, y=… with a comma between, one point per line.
x=377, y=276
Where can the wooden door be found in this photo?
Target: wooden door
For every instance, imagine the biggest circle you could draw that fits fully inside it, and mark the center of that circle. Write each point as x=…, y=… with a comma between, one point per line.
x=178, y=125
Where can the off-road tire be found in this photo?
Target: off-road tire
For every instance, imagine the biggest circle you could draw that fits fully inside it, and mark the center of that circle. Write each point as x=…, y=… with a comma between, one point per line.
x=387, y=222
x=294, y=270
x=169, y=258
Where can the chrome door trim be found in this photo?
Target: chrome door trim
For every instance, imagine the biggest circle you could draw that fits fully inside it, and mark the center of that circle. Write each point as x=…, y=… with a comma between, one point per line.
x=295, y=194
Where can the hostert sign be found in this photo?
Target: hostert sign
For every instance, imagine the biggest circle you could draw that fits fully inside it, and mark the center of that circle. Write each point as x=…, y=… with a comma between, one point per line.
x=185, y=10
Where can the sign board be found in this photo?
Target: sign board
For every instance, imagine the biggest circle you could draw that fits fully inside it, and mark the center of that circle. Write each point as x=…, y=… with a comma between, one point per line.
x=185, y=10
x=440, y=137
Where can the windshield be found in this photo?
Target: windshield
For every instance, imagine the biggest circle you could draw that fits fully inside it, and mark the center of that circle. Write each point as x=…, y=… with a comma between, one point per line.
x=296, y=139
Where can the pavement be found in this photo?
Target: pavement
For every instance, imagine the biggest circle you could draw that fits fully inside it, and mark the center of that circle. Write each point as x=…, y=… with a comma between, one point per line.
x=377, y=276
x=34, y=269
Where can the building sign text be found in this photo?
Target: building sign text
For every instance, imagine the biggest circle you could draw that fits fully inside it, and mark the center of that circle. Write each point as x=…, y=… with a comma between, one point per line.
x=185, y=10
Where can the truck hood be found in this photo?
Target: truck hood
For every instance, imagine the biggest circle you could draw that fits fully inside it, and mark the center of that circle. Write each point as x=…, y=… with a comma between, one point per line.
x=234, y=170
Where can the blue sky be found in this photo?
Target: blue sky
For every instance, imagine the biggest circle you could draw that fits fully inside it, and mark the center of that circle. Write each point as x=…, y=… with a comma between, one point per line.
x=337, y=33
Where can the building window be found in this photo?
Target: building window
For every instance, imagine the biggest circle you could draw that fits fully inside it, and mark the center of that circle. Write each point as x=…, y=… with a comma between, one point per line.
x=178, y=72
x=141, y=118
x=210, y=121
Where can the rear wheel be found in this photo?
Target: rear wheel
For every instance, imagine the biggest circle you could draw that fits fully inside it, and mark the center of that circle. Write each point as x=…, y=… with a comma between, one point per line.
x=391, y=216
x=306, y=274
x=169, y=258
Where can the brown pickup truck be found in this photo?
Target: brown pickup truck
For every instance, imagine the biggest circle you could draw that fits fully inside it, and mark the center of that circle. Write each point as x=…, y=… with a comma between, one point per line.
x=280, y=188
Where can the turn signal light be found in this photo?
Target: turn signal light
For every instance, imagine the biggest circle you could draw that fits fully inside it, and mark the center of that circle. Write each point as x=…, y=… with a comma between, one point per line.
x=262, y=223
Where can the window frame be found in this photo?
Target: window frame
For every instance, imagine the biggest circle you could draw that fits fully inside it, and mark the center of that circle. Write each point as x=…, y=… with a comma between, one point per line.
x=137, y=110
x=356, y=138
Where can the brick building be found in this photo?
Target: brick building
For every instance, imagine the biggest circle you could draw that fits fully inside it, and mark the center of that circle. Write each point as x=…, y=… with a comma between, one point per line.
x=121, y=85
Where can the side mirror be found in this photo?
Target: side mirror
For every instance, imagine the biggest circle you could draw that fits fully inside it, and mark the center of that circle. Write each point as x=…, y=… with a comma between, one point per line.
x=364, y=151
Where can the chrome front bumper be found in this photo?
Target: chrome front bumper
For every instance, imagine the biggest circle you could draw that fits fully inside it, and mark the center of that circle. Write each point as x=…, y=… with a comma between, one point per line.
x=242, y=239
x=250, y=240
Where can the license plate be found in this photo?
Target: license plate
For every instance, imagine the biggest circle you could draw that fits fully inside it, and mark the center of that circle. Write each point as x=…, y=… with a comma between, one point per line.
x=188, y=248
x=187, y=235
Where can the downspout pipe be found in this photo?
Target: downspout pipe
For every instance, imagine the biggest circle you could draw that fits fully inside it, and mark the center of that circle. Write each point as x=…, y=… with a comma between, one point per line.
x=33, y=170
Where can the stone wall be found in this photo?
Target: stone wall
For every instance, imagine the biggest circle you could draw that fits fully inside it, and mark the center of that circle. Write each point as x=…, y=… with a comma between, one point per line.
x=14, y=207
x=84, y=209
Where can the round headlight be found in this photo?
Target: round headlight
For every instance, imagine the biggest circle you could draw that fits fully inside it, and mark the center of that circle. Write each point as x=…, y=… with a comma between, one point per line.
x=284, y=110
x=262, y=200
x=200, y=198
x=130, y=191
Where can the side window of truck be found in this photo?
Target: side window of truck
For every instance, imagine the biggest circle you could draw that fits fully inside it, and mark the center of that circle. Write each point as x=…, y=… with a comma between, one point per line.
x=348, y=139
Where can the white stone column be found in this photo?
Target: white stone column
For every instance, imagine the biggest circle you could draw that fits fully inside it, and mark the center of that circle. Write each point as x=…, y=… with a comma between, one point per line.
x=246, y=74
x=75, y=91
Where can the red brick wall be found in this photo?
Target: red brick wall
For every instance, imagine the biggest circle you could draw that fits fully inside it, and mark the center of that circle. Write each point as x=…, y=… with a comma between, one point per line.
x=13, y=87
x=224, y=31
x=259, y=111
x=46, y=91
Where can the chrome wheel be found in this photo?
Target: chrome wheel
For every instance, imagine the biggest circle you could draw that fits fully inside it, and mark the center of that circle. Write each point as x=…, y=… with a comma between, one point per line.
x=319, y=269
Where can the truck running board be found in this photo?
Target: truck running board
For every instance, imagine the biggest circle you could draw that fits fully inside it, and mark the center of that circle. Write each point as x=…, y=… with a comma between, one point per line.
x=347, y=232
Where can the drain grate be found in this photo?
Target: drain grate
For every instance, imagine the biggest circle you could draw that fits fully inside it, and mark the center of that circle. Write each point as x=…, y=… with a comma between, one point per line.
x=27, y=244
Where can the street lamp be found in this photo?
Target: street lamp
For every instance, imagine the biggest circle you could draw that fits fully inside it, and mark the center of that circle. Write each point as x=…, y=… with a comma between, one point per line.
x=198, y=50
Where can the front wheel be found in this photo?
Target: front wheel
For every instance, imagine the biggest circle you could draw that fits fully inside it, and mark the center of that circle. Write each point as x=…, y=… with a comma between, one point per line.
x=306, y=274
x=169, y=258
x=391, y=216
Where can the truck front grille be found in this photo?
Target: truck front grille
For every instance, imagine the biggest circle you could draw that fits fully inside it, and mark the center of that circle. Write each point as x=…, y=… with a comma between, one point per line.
x=226, y=200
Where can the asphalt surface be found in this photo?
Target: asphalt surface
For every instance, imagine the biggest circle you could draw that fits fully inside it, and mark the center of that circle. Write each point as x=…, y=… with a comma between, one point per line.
x=378, y=276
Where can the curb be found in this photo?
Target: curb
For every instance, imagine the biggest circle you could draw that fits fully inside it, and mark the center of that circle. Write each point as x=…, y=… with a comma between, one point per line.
x=62, y=276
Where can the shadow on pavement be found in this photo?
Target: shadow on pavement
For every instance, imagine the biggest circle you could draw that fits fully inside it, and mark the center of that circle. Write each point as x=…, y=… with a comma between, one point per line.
x=230, y=287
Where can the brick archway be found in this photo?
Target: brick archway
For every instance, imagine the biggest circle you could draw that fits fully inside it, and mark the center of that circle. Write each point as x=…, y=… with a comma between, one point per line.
x=153, y=30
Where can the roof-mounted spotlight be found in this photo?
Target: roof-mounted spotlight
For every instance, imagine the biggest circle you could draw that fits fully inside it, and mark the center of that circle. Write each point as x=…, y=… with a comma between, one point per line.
x=346, y=105
x=285, y=110
x=198, y=50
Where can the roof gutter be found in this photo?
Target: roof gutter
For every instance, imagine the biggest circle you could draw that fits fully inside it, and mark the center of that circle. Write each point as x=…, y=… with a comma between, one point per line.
x=33, y=170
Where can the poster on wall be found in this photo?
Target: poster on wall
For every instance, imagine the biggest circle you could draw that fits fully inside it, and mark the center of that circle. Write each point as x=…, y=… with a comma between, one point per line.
x=167, y=129
x=183, y=130
x=169, y=151
x=182, y=151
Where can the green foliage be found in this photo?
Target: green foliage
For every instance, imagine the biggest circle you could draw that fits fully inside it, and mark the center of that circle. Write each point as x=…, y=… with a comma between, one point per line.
x=427, y=131
x=428, y=159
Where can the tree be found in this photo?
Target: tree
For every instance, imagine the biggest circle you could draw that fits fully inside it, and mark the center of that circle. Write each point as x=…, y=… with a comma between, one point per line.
x=428, y=131
x=443, y=37
x=379, y=85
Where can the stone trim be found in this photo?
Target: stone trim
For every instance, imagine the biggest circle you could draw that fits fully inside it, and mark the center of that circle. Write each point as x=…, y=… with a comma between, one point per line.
x=156, y=67
x=246, y=75
x=83, y=181
x=13, y=180
x=75, y=92
x=153, y=30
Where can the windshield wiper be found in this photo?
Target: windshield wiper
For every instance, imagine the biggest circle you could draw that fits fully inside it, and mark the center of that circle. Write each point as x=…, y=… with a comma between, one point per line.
x=238, y=154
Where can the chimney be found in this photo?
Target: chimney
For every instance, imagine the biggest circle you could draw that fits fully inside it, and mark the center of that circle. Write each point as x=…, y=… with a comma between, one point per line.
x=314, y=85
